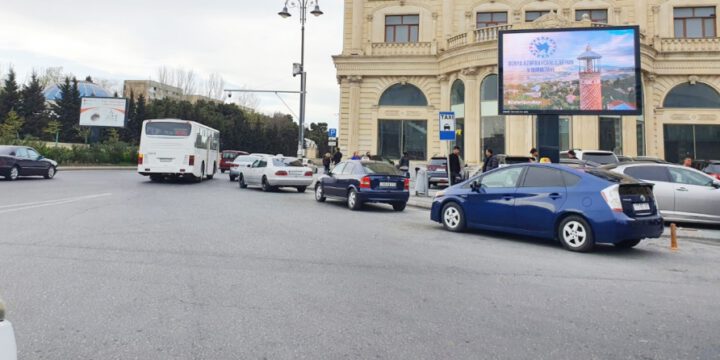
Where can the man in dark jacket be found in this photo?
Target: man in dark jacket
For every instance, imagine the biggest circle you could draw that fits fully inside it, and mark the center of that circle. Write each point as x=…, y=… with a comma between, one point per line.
x=337, y=158
x=454, y=166
x=491, y=162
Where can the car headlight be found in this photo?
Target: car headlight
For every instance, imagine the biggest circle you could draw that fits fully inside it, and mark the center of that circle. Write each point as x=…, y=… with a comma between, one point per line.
x=440, y=194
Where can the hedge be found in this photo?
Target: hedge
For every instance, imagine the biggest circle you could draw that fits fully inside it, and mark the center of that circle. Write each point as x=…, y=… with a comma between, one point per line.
x=107, y=153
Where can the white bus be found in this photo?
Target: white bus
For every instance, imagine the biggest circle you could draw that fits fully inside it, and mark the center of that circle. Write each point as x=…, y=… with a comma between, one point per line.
x=178, y=149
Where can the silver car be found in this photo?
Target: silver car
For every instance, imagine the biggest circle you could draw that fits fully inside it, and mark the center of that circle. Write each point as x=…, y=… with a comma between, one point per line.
x=240, y=162
x=683, y=194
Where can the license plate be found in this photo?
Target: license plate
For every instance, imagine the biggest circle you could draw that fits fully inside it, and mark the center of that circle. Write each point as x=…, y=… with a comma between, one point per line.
x=641, y=207
x=388, y=184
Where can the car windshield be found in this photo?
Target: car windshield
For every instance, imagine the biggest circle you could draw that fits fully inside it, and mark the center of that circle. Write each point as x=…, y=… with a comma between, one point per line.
x=711, y=169
x=290, y=162
x=601, y=158
x=380, y=169
x=611, y=176
x=179, y=129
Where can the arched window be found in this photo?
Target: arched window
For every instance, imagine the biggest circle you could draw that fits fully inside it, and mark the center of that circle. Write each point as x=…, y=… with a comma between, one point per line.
x=689, y=95
x=403, y=95
x=457, y=105
x=493, y=124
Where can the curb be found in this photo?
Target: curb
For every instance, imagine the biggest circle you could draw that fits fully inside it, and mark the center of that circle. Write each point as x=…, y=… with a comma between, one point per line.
x=419, y=204
x=83, y=168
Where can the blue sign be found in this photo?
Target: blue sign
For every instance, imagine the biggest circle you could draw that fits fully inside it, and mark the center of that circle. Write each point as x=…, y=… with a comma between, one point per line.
x=332, y=133
x=447, y=126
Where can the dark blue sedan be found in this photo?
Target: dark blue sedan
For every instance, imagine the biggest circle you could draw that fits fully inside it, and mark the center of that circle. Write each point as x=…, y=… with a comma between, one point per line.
x=579, y=208
x=360, y=182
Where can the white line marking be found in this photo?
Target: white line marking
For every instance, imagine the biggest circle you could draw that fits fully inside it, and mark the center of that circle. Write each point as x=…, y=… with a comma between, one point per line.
x=33, y=205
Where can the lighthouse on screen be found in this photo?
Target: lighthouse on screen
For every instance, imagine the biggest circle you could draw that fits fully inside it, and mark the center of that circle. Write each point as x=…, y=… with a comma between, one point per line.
x=590, y=80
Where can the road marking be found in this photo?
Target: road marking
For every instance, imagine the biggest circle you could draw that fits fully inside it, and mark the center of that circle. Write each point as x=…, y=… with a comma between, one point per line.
x=33, y=205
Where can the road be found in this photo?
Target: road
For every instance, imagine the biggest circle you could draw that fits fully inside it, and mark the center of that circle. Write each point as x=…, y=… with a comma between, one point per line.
x=107, y=265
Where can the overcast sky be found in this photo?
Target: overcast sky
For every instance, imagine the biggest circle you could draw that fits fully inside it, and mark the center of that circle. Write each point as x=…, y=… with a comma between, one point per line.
x=243, y=40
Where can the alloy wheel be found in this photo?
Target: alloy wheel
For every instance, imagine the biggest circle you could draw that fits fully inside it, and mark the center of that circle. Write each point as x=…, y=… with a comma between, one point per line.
x=574, y=234
x=51, y=172
x=14, y=173
x=451, y=217
x=352, y=199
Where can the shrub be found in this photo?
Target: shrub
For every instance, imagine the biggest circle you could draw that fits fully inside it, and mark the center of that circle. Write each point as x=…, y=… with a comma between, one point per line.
x=107, y=153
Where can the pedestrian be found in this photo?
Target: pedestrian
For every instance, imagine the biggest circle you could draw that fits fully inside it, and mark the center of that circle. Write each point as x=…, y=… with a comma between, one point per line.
x=454, y=166
x=327, y=160
x=535, y=154
x=491, y=162
x=337, y=158
x=366, y=157
x=571, y=155
x=355, y=156
x=688, y=161
x=404, y=164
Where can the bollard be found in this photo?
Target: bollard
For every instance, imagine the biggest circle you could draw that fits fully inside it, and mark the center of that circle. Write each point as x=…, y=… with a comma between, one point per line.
x=673, y=237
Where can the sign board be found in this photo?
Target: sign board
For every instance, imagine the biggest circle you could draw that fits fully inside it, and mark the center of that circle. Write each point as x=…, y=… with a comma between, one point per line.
x=447, y=126
x=332, y=133
x=332, y=143
x=103, y=112
x=578, y=71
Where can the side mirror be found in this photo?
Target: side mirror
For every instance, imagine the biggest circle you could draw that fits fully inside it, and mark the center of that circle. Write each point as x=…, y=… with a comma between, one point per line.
x=475, y=185
x=249, y=165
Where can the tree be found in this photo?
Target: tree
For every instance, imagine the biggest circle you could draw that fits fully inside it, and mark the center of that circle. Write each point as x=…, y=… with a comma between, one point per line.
x=53, y=129
x=10, y=128
x=9, y=96
x=32, y=107
x=128, y=133
x=319, y=134
x=67, y=109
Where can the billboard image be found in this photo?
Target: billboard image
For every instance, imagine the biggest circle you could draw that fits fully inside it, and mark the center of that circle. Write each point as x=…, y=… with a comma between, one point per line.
x=588, y=71
x=106, y=112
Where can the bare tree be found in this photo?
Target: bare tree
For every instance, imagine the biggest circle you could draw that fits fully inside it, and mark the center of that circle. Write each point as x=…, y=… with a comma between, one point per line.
x=245, y=100
x=52, y=75
x=165, y=75
x=215, y=86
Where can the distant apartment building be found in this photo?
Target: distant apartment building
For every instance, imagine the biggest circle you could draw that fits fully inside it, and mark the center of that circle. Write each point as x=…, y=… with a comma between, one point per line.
x=153, y=90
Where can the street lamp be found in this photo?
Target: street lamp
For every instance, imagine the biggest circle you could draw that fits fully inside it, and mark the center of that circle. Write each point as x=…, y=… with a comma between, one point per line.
x=302, y=6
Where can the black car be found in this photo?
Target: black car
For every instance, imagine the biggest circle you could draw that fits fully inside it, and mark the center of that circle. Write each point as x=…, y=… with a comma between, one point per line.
x=17, y=161
x=360, y=182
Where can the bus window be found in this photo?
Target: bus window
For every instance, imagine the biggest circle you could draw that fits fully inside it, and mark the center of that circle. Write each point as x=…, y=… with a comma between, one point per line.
x=167, y=129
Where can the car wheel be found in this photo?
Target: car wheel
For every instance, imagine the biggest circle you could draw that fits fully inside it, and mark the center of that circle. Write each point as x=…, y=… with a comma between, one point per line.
x=50, y=172
x=301, y=189
x=353, y=202
x=453, y=217
x=265, y=186
x=627, y=244
x=241, y=181
x=575, y=234
x=14, y=174
x=399, y=206
x=232, y=177
x=222, y=171
x=319, y=193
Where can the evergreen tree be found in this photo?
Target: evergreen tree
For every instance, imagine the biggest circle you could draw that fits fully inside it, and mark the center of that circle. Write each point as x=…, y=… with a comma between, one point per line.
x=9, y=96
x=128, y=133
x=67, y=109
x=32, y=107
x=10, y=128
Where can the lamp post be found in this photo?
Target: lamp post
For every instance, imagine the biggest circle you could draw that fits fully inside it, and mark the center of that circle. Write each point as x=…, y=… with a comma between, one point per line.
x=302, y=6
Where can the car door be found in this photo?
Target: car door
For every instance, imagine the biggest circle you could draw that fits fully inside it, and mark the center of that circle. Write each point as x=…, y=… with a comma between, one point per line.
x=695, y=196
x=38, y=167
x=330, y=182
x=491, y=204
x=346, y=178
x=24, y=162
x=539, y=199
x=664, y=189
x=253, y=174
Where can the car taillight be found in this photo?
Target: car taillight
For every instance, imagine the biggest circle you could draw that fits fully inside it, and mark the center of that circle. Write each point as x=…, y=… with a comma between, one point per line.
x=191, y=160
x=308, y=173
x=234, y=165
x=365, y=183
x=140, y=159
x=612, y=198
x=407, y=184
x=281, y=173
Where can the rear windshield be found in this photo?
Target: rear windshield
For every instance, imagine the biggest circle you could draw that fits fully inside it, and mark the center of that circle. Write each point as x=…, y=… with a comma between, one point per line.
x=611, y=176
x=380, y=169
x=516, y=160
x=168, y=129
x=438, y=161
x=712, y=169
x=600, y=158
x=245, y=158
x=291, y=162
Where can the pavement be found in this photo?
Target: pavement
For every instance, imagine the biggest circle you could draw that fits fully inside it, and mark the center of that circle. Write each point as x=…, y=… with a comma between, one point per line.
x=107, y=265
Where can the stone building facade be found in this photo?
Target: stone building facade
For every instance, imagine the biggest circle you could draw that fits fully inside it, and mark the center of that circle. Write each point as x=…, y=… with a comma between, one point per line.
x=404, y=61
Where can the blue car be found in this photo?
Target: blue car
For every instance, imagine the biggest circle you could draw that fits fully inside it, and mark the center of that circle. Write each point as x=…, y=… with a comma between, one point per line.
x=580, y=208
x=360, y=182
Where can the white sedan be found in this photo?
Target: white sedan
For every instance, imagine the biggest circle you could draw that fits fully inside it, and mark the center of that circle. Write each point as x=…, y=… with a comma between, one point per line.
x=8, y=349
x=275, y=172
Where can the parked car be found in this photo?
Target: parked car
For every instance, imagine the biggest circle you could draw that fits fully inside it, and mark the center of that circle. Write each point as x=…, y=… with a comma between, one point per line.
x=713, y=169
x=579, y=164
x=682, y=193
x=579, y=208
x=17, y=161
x=271, y=173
x=227, y=157
x=311, y=164
x=624, y=159
x=649, y=159
x=240, y=162
x=359, y=182
x=8, y=347
x=601, y=157
x=505, y=160
x=437, y=171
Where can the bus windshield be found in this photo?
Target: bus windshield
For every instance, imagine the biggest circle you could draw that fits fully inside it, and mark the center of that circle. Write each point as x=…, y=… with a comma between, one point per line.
x=168, y=129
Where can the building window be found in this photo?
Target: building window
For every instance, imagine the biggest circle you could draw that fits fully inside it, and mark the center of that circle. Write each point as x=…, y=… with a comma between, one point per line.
x=565, y=133
x=701, y=142
x=457, y=105
x=493, y=124
x=610, y=133
x=640, y=131
x=689, y=95
x=398, y=136
x=488, y=19
x=531, y=16
x=695, y=22
x=596, y=16
x=402, y=28
x=403, y=95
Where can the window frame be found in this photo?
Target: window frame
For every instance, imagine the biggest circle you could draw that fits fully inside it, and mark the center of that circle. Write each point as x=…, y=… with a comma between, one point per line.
x=492, y=21
x=402, y=138
x=684, y=20
x=590, y=12
x=664, y=170
x=540, y=13
x=409, y=26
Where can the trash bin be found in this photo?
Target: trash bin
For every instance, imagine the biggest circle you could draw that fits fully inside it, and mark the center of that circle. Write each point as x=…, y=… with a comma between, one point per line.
x=421, y=182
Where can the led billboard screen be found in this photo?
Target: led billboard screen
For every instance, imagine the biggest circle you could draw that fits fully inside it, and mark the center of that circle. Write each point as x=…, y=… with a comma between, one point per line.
x=579, y=71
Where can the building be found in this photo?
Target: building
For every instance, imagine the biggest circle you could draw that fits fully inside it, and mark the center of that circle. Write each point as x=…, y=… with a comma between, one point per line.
x=404, y=61
x=151, y=90
x=85, y=88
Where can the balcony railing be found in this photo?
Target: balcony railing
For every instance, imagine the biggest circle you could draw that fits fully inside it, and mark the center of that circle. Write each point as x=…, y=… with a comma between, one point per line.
x=688, y=45
x=490, y=33
x=457, y=41
x=391, y=49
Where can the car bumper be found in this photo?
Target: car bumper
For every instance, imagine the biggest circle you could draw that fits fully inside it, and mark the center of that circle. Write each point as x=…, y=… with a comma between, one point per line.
x=164, y=170
x=384, y=196
x=234, y=171
x=289, y=181
x=8, y=348
x=618, y=227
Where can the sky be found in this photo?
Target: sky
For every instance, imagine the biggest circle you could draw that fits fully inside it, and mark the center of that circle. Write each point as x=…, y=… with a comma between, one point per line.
x=243, y=40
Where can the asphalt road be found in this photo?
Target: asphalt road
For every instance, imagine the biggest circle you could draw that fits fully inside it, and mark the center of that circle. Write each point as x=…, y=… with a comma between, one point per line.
x=106, y=265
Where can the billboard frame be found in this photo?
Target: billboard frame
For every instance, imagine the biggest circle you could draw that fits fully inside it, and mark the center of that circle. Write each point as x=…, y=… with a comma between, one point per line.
x=638, y=76
x=127, y=106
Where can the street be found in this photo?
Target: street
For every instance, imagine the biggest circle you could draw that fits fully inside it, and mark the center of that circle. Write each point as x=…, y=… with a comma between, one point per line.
x=107, y=265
